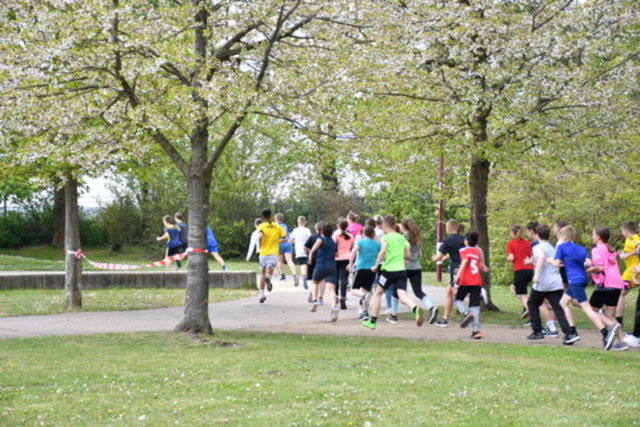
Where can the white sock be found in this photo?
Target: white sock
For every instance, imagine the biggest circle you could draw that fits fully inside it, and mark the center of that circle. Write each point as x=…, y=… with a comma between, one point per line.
x=552, y=326
x=261, y=292
x=427, y=302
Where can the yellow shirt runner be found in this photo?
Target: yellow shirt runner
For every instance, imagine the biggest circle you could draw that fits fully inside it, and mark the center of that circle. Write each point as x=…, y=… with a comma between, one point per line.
x=271, y=235
x=630, y=245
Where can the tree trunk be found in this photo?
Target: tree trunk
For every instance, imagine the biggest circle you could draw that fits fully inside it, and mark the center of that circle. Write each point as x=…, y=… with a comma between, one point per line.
x=196, y=310
x=58, y=213
x=73, y=267
x=478, y=191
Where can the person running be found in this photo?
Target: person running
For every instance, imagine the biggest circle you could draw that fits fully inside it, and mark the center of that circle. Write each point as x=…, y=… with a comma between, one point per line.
x=557, y=226
x=354, y=227
x=469, y=283
x=547, y=285
x=379, y=228
x=414, y=268
x=450, y=248
x=212, y=247
x=629, y=255
x=325, y=270
x=299, y=237
x=574, y=257
x=271, y=235
x=183, y=231
x=394, y=250
x=532, y=230
x=519, y=254
x=254, y=241
x=286, y=253
x=312, y=263
x=173, y=240
x=344, y=240
x=607, y=280
x=363, y=256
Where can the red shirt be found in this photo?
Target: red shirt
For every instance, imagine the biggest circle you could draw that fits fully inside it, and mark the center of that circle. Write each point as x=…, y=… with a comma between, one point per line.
x=521, y=250
x=470, y=276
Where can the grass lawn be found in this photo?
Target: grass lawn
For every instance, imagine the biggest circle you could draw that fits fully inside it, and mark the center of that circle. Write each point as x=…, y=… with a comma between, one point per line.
x=38, y=302
x=51, y=258
x=168, y=379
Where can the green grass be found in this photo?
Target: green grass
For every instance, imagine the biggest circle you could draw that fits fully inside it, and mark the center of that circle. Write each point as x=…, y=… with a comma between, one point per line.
x=40, y=302
x=51, y=258
x=271, y=379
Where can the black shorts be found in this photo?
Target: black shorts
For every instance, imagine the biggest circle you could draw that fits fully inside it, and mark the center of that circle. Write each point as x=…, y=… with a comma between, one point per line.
x=391, y=278
x=328, y=274
x=608, y=297
x=174, y=251
x=521, y=279
x=310, y=269
x=563, y=274
x=364, y=279
x=302, y=260
x=474, y=292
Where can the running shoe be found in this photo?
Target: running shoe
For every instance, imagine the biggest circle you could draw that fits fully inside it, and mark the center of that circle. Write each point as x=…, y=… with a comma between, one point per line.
x=632, y=341
x=320, y=301
x=466, y=320
x=262, y=299
x=343, y=303
x=225, y=268
x=536, y=336
x=570, y=338
x=334, y=314
x=364, y=315
x=443, y=323
x=620, y=346
x=369, y=324
x=419, y=314
x=611, y=335
x=267, y=280
x=296, y=282
x=314, y=306
x=476, y=335
x=392, y=318
x=283, y=278
x=524, y=314
x=548, y=333
x=433, y=314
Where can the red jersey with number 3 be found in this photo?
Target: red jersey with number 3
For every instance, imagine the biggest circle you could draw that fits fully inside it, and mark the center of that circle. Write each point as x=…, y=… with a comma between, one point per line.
x=470, y=276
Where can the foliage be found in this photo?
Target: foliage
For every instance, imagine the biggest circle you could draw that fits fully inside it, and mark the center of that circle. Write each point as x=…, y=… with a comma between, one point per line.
x=309, y=380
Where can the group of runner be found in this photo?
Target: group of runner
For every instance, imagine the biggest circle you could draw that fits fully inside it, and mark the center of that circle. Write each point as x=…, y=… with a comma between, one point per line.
x=380, y=257
x=560, y=276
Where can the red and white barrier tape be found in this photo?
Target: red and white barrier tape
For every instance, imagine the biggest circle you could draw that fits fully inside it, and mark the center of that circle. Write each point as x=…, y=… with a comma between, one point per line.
x=107, y=266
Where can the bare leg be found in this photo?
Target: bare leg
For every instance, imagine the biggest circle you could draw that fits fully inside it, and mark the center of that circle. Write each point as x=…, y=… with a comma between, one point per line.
x=374, y=306
x=594, y=317
x=405, y=299
x=292, y=266
x=448, y=302
x=621, y=304
x=564, y=302
x=333, y=296
x=321, y=287
x=280, y=266
x=609, y=313
x=218, y=258
x=523, y=300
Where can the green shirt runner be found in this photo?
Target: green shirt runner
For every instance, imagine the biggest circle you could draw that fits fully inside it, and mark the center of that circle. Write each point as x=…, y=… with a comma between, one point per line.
x=394, y=256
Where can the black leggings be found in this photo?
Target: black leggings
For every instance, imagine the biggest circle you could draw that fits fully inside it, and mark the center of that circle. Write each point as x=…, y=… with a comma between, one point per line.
x=636, y=326
x=343, y=277
x=415, y=277
x=535, y=301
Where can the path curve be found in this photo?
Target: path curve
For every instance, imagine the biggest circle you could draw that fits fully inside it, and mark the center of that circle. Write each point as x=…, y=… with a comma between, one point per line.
x=286, y=310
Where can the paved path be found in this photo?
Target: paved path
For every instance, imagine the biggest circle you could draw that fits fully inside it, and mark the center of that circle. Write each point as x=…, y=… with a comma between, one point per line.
x=285, y=310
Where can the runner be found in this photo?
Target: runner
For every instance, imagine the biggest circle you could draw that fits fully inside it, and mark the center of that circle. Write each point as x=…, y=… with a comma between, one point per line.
x=286, y=252
x=173, y=241
x=325, y=269
x=470, y=282
x=364, y=255
x=354, y=227
x=395, y=248
x=450, y=248
x=254, y=242
x=212, y=247
x=183, y=231
x=414, y=268
x=271, y=235
x=519, y=254
x=344, y=240
x=299, y=237
x=312, y=263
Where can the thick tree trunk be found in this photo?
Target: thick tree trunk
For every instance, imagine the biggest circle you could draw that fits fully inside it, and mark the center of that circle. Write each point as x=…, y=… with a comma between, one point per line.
x=58, y=214
x=478, y=191
x=73, y=267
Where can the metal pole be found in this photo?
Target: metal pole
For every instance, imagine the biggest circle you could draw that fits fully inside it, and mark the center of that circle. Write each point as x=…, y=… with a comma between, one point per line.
x=440, y=226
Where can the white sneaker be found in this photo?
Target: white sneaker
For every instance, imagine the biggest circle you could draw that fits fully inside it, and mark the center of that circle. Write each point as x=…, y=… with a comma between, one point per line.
x=632, y=341
x=620, y=346
x=334, y=314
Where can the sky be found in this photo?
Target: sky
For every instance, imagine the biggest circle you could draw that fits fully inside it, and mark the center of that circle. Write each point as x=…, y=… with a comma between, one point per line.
x=96, y=193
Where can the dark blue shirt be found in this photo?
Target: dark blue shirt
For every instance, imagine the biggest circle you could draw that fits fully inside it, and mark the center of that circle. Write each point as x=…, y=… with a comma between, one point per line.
x=326, y=253
x=174, y=240
x=573, y=256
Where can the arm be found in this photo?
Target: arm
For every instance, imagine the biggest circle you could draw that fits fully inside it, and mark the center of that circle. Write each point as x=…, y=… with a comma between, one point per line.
x=315, y=247
x=483, y=264
x=352, y=259
x=538, y=269
x=510, y=256
x=165, y=236
x=460, y=270
x=381, y=255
